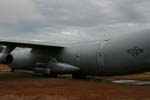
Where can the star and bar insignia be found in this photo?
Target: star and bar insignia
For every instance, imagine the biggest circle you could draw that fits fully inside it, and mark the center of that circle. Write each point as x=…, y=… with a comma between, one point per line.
x=135, y=51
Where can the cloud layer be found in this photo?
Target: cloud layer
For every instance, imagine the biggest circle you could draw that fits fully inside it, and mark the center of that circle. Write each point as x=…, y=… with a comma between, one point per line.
x=71, y=20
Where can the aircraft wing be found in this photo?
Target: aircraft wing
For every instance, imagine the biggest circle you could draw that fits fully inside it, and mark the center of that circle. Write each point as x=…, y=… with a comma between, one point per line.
x=31, y=44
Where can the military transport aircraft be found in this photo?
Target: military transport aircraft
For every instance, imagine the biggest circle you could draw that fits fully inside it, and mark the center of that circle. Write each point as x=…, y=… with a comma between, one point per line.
x=116, y=55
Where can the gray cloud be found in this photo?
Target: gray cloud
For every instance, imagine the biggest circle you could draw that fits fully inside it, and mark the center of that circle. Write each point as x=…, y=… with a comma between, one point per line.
x=71, y=20
x=134, y=11
x=14, y=10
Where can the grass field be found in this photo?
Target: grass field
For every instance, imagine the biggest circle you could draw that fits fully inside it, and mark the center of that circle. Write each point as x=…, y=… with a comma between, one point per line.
x=24, y=86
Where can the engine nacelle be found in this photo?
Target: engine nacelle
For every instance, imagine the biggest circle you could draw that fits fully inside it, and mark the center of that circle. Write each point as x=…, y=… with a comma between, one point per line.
x=25, y=59
x=6, y=58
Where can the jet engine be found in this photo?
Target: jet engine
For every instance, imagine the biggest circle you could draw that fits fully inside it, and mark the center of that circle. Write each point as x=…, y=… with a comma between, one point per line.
x=6, y=58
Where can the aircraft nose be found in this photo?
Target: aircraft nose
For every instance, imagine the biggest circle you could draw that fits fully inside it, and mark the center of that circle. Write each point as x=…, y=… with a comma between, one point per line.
x=140, y=46
x=145, y=38
x=130, y=52
x=148, y=47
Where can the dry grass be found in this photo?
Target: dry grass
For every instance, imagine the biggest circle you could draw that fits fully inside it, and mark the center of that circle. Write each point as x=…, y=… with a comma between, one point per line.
x=24, y=86
x=4, y=67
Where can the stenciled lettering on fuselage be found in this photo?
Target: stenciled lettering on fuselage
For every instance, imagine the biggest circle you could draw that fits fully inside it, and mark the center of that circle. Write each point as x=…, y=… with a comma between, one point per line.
x=135, y=51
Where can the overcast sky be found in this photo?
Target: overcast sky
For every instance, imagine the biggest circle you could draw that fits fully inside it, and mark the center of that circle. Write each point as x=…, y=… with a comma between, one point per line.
x=71, y=20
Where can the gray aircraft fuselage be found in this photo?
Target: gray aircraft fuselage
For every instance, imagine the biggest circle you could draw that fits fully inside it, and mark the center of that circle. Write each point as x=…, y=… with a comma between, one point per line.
x=117, y=55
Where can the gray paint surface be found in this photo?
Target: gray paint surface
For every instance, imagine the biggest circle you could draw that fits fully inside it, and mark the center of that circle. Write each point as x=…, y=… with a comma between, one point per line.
x=116, y=55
